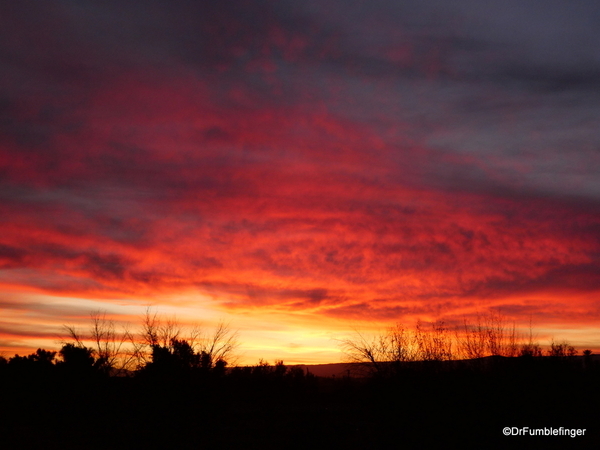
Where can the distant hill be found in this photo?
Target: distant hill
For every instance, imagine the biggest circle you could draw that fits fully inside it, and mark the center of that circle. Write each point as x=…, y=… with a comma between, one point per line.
x=353, y=369
x=327, y=370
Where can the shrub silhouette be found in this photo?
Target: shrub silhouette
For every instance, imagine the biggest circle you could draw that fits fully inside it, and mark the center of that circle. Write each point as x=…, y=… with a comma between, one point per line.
x=78, y=360
x=391, y=353
x=561, y=350
x=40, y=359
x=176, y=358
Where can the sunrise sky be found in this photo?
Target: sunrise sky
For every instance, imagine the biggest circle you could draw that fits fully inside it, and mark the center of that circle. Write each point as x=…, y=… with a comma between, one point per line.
x=299, y=168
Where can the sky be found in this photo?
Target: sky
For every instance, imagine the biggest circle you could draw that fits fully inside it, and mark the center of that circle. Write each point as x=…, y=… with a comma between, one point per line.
x=299, y=169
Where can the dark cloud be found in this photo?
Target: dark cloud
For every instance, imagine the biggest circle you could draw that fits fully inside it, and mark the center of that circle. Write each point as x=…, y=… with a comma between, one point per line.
x=365, y=311
x=97, y=265
x=557, y=278
x=11, y=256
x=26, y=330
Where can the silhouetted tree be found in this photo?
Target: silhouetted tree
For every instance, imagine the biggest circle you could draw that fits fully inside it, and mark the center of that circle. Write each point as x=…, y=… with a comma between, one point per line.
x=77, y=358
x=530, y=350
x=490, y=335
x=218, y=347
x=385, y=354
x=561, y=350
x=113, y=351
x=170, y=351
x=44, y=357
x=369, y=353
x=434, y=344
x=39, y=363
x=110, y=346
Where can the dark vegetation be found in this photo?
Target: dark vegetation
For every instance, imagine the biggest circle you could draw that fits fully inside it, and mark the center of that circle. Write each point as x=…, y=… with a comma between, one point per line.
x=164, y=390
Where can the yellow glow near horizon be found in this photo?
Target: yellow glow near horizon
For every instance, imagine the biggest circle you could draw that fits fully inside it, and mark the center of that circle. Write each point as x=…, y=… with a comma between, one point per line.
x=295, y=338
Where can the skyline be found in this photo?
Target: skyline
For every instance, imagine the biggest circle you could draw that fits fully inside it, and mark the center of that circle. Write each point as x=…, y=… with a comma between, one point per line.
x=299, y=170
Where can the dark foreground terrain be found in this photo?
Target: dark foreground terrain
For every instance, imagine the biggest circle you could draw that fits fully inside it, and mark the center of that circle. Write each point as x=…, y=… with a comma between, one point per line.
x=458, y=405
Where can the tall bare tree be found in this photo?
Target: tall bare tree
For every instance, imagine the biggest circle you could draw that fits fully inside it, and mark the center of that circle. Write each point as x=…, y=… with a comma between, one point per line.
x=433, y=344
x=219, y=346
x=370, y=354
x=112, y=350
x=112, y=347
x=159, y=335
x=490, y=335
